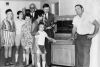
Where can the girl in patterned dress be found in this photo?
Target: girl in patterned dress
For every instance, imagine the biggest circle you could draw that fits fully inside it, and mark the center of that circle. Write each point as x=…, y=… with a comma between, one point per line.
x=8, y=33
x=27, y=39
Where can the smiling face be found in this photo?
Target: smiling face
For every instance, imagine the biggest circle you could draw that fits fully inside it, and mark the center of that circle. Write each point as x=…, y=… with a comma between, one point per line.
x=79, y=10
x=27, y=19
x=41, y=27
x=32, y=7
x=21, y=15
x=46, y=9
x=10, y=14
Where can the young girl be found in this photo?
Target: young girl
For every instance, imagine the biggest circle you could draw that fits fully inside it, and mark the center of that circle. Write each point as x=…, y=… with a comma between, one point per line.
x=27, y=39
x=8, y=32
x=18, y=23
x=40, y=39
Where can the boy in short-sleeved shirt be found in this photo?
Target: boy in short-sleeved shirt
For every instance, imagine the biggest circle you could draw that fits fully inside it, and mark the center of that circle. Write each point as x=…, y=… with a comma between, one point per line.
x=40, y=40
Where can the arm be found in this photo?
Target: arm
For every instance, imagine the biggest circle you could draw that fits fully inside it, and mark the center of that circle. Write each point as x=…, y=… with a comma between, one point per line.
x=51, y=39
x=33, y=27
x=73, y=32
x=96, y=24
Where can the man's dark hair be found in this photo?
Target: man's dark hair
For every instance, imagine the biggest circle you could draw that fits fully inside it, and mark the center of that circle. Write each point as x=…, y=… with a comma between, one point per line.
x=38, y=13
x=46, y=5
x=79, y=6
x=8, y=10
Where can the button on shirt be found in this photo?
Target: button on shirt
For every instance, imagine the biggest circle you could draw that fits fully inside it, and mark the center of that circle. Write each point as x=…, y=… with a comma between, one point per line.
x=41, y=37
x=18, y=25
x=84, y=24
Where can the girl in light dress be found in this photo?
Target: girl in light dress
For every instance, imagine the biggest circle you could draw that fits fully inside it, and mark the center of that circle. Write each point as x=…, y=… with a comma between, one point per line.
x=18, y=23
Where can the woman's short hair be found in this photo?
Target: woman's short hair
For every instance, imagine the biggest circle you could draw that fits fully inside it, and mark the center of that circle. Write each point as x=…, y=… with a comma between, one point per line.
x=19, y=12
x=38, y=13
x=8, y=10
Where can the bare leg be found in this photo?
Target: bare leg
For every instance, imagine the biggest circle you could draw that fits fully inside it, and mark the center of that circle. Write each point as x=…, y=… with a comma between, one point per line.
x=38, y=59
x=16, y=55
x=27, y=56
x=43, y=60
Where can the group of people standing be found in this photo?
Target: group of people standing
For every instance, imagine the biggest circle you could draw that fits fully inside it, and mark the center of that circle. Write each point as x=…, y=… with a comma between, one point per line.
x=33, y=30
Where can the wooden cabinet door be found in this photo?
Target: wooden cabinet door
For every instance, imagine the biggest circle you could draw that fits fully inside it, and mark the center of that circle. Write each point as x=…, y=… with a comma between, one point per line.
x=63, y=54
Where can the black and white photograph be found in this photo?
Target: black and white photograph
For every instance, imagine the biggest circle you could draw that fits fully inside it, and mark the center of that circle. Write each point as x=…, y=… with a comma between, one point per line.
x=49, y=33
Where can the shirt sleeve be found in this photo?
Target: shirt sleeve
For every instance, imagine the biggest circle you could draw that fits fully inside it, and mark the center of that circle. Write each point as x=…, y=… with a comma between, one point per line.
x=45, y=34
x=74, y=22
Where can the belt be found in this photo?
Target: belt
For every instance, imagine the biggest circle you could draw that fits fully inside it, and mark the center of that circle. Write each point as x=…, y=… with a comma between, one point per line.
x=83, y=34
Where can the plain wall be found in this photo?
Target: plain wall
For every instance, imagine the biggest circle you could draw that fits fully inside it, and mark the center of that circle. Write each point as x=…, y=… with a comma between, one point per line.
x=15, y=6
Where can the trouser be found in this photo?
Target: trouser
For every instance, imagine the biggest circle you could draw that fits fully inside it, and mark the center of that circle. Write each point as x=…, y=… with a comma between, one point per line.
x=82, y=51
x=48, y=46
x=48, y=54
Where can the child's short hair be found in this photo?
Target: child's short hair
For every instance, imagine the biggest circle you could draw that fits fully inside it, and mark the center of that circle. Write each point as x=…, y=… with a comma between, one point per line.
x=8, y=10
x=27, y=15
x=41, y=23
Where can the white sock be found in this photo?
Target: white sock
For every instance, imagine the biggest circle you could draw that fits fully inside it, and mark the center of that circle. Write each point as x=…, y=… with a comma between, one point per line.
x=43, y=64
x=27, y=59
x=23, y=57
x=38, y=64
x=16, y=57
x=32, y=59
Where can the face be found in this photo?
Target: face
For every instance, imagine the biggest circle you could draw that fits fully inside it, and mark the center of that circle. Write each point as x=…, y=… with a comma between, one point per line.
x=32, y=7
x=79, y=10
x=46, y=9
x=10, y=15
x=41, y=27
x=27, y=19
x=21, y=15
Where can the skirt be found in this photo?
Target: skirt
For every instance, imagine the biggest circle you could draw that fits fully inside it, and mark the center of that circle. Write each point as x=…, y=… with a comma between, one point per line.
x=8, y=38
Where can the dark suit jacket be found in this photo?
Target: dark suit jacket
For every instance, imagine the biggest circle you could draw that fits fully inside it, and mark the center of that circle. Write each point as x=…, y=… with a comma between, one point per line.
x=48, y=23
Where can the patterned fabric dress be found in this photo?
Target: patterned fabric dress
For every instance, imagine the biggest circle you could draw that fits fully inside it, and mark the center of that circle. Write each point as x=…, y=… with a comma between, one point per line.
x=8, y=33
x=27, y=39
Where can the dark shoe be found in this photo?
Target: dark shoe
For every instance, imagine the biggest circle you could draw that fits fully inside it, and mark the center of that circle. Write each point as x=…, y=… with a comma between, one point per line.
x=6, y=62
x=10, y=61
x=33, y=66
x=17, y=64
x=26, y=65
